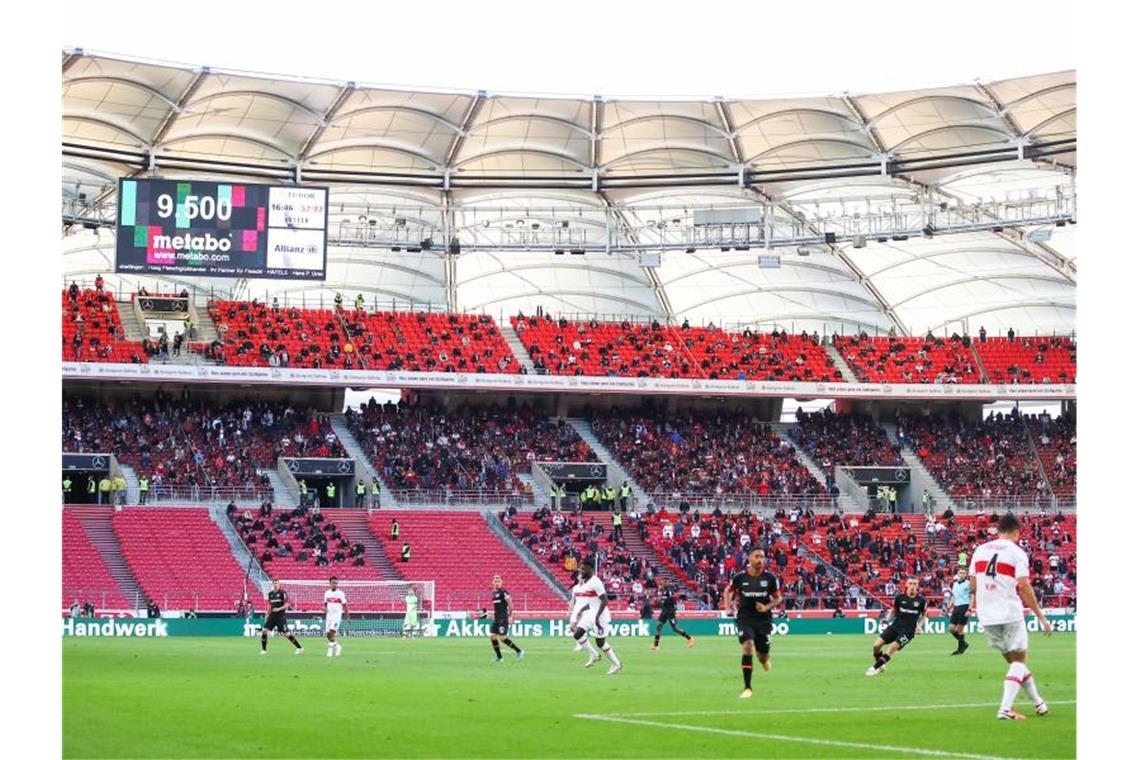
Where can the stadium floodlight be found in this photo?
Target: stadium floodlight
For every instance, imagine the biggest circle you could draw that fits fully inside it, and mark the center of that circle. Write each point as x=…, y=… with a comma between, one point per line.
x=376, y=608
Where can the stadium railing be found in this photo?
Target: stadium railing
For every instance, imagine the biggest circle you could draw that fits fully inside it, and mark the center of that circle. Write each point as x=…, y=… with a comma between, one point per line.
x=451, y=498
x=737, y=502
x=203, y=495
x=1014, y=503
x=99, y=598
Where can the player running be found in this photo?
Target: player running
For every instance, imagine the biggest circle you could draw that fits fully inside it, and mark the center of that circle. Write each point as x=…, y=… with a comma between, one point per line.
x=504, y=612
x=905, y=623
x=275, y=619
x=411, y=612
x=669, y=615
x=960, y=615
x=336, y=605
x=590, y=613
x=999, y=582
x=757, y=592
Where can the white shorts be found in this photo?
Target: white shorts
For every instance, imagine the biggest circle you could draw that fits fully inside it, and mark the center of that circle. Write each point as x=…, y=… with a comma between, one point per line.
x=332, y=621
x=1007, y=637
x=599, y=631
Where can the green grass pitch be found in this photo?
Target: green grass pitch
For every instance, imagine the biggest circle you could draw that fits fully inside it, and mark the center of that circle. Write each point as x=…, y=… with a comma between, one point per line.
x=216, y=697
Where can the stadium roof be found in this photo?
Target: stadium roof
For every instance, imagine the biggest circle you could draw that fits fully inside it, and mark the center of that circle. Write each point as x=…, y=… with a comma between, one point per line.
x=488, y=167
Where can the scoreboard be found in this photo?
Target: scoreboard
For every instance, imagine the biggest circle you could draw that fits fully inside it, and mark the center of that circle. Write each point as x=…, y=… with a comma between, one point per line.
x=220, y=229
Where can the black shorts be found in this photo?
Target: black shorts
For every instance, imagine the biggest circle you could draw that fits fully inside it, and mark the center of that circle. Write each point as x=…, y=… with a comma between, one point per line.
x=960, y=615
x=499, y=627
x=667, y=617
x=900, y=635
x=276, y=622
x=758, y=632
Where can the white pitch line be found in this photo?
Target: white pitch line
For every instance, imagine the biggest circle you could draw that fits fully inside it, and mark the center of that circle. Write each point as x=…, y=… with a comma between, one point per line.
x=797, y=739
x=792, y=711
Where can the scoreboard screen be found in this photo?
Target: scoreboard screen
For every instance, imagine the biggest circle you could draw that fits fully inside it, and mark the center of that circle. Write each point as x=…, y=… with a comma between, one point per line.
x=217, y=229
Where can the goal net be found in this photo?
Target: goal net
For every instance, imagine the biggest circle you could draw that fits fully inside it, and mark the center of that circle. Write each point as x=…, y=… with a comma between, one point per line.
x=375, y=608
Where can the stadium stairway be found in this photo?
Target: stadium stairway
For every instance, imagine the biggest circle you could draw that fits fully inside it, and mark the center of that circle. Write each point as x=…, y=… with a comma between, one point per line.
x=586, y=432
x=96, y=521
x=282, y=496
x=134, y=326
x=459, y=552
x=363, y=463
x=239, y=550
x=978, y=361
x=354, y=524
x=512, y=542
x=517, y=348
x=132, y=479
x=528, y=480
x=643, y=552
x=832, y=570
x=840, y=363
x=845, y=502
x=920, y=476
x=204, y=328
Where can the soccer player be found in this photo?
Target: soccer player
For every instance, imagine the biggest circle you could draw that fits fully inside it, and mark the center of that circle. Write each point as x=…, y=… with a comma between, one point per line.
x=904, y=624
x=411, y=611
x=999, y=582
x=336, y=605
x=669, y=615
x=504, y=611
x=757, y=593
x=590, y=613
x=960, y=615
x=275, y=619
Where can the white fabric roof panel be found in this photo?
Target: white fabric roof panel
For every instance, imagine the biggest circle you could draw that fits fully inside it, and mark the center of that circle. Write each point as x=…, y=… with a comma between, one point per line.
x=272, y=125
x=503, y=283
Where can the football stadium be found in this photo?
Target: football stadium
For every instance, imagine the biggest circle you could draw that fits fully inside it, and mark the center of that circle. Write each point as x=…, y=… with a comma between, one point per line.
x=424, y=421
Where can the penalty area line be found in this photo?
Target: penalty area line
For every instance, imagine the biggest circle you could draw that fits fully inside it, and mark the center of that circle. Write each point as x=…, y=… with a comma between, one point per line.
x=794, y=711
x=794, y=739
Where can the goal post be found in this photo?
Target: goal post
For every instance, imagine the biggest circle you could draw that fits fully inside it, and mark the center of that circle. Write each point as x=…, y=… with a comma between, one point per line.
x=376, y=608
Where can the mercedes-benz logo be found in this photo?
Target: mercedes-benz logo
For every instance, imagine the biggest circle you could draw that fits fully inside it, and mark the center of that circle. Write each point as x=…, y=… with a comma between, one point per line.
x=900, y=475
x=147, y=304
x=293, y=465
x=344, y=466
x=98, y=463
x=596, y=469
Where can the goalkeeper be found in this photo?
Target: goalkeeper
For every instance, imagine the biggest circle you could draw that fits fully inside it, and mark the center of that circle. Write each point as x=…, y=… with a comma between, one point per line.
x=411, y=612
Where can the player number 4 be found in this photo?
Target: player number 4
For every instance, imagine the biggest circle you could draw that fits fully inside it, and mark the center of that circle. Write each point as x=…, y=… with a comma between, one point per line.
x=991, y=568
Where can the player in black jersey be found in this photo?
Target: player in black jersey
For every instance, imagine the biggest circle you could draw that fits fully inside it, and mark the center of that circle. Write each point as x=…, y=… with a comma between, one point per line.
x=906, y=617
x=757, y=592
x=504, y=611
x=275, y=619
x=669, y=615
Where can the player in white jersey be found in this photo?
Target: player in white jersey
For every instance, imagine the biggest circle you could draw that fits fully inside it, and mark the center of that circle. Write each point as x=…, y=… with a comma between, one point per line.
x=590, y=613
x=999, y=584
x=336, y=606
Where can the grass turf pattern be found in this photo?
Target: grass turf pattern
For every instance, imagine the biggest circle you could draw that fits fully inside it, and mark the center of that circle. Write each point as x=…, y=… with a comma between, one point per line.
x=216, y=697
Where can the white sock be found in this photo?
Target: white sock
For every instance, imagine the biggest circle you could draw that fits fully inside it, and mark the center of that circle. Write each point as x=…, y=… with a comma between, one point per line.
x=610, y=653
x=1030, y=687
x=1011, y=685
x=584, y=641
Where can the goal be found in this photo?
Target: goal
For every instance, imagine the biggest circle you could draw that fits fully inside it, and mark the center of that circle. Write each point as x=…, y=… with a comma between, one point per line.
x=376, y=608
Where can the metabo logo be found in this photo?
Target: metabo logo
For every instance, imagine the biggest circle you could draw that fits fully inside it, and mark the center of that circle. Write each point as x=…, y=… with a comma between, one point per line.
x=111, y=627
x=779, y=628
x=205, y=242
